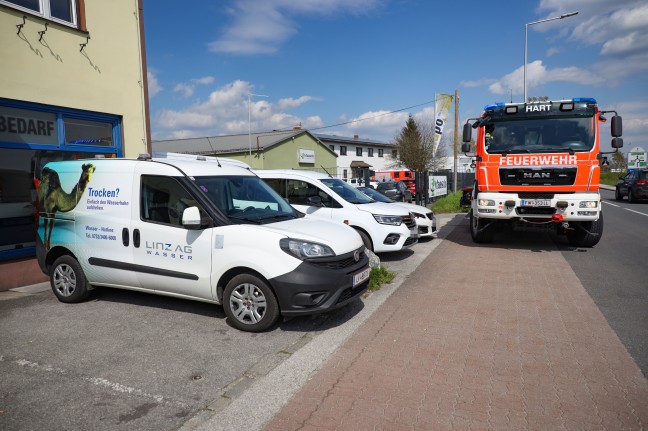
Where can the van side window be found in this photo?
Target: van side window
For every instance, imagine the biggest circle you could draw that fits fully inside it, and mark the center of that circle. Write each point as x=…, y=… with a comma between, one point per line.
x=299, y=192
x=163, y=199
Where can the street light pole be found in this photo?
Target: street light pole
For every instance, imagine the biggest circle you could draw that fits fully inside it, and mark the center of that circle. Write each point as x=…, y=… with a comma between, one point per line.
x=526, y=32
x=250, y=122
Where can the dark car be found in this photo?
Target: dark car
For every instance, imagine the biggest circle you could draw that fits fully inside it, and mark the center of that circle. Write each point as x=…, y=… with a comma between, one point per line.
x=395, y=190
x=634, y=185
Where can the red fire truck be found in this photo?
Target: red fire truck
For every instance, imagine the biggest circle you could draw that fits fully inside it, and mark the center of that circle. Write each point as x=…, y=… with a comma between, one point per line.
x=537, y=167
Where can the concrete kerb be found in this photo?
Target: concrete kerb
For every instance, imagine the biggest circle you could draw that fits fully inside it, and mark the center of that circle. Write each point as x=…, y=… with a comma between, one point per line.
x=268, y=393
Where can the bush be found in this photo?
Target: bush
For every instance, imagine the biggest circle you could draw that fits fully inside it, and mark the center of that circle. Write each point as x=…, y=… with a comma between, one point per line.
x=379, y=276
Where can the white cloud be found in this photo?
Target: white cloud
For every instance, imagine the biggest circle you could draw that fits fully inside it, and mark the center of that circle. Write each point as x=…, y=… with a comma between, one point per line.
x=225, y=111
x=187, y=89
x=293, y=103
x=260, y=27
x=154, y=86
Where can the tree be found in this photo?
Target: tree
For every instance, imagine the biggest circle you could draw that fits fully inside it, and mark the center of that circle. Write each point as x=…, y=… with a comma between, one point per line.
x=619, y=162
x=413, y=148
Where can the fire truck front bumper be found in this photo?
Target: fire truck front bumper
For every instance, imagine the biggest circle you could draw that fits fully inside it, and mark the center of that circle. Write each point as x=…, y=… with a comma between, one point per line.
x=529, y=206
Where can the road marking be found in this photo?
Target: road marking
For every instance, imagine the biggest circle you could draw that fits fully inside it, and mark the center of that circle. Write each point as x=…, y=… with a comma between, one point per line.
x=117, y=387
x=614, y=205
x=636, y=212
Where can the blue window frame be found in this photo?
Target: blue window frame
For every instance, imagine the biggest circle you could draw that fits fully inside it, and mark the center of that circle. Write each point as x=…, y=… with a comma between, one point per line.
x=25, y=125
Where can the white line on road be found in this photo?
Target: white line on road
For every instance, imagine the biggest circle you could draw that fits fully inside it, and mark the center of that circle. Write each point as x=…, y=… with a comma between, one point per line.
x=637, y=212
x=614, y=205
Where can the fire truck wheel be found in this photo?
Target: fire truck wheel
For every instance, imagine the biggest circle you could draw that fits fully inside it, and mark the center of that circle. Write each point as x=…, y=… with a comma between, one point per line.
x=478, y=232
x=588, y=237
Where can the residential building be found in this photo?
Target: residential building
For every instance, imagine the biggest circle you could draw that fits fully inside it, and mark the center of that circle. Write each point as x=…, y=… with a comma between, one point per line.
x=73, y=84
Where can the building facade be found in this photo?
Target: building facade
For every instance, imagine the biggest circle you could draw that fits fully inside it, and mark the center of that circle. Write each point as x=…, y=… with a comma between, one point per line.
x=355, y=154
x=73, y=84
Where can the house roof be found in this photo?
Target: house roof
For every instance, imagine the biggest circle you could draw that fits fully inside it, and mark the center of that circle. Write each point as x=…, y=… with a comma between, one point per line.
x=350, y=140
x=227, y=143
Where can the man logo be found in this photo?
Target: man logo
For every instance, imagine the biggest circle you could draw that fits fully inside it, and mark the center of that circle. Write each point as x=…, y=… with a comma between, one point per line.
x=536, y=175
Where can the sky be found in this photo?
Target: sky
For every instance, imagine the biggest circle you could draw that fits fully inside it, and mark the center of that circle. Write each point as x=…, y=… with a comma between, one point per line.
x=361, y=67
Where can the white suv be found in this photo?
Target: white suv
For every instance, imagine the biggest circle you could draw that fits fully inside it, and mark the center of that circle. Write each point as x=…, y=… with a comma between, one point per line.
x=382, y=227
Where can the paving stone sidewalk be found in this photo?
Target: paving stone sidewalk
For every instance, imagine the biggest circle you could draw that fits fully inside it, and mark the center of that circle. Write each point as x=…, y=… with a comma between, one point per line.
x=479, y=337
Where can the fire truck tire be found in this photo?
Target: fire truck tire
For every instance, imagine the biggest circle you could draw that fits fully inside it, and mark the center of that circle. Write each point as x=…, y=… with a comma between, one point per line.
x=477, y=231
x=589, y=237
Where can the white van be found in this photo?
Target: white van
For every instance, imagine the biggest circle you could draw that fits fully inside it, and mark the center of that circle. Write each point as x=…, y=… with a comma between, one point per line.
x=382, y=227
x=212, y=232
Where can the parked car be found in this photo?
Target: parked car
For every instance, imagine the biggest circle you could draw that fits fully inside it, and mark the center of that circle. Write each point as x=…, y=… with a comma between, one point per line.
x=424, y=217
x=634, y=185
x=382, y=227
x=395, y=190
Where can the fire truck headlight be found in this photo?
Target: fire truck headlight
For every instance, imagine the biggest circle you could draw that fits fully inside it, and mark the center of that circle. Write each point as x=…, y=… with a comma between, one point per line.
x=486, y=203
x=588, y=204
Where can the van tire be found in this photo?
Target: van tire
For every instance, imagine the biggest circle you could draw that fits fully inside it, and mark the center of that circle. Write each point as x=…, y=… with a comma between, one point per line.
x=250, y=305
x=68, y=280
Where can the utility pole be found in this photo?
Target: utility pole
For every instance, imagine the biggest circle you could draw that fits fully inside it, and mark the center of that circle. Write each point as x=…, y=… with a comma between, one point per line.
x=456, y=136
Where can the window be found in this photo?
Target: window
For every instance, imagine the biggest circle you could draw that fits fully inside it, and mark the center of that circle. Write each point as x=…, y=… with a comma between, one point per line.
x=395, y=154
x=358, y=151
x=63, y=11
x=343, y=150
x=370, y=152
x=164, y=200
x=332, y=147
x=79, y=131
x=299, y=192
x=345, y=173
x=380, y=152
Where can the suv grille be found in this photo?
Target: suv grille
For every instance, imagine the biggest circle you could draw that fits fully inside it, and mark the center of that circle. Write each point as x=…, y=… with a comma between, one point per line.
x=409, y=221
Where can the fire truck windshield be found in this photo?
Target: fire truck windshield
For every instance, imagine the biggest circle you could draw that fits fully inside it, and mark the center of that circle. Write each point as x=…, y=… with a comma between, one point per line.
x=539, y=135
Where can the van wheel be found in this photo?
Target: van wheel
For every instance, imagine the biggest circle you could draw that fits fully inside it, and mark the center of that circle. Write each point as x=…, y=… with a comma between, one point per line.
x=249, y=304
x=365, y=240
x=68, y=281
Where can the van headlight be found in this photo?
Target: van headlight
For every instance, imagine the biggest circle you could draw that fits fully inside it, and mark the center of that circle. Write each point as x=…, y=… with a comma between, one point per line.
x=305, y=249
x=388, y=219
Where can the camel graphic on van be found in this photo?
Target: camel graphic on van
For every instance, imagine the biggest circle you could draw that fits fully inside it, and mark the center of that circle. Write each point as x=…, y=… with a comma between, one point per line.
x=52, y=198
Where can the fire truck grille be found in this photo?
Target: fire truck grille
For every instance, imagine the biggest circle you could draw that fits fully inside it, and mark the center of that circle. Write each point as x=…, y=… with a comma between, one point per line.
x=537, y=177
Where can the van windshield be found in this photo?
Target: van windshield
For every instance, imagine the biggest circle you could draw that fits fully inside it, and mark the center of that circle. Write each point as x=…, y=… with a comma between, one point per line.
x=347, y=192
x=245, y=199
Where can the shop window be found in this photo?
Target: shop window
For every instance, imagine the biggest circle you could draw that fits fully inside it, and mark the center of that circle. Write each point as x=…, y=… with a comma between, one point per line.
x=63, y=11
x=79, y=131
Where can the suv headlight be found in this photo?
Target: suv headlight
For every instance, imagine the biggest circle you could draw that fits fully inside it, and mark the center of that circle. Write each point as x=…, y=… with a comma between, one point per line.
x=388, y=219
x=305, y=249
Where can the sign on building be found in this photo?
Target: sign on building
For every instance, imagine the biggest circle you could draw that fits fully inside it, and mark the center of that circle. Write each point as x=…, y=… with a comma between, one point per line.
x=306, y=156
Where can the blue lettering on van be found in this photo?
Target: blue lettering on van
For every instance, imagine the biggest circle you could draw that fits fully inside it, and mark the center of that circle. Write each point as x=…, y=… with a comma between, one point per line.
x=103, y=193
x=163, y=246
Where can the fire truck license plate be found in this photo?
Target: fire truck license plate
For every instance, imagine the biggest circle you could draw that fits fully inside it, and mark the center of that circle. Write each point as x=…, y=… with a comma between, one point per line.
x=536, y=203
x=361, y=277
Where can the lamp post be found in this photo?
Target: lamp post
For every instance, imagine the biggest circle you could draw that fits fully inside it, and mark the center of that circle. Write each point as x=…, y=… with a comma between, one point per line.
x=250, y=122
x=526, y=32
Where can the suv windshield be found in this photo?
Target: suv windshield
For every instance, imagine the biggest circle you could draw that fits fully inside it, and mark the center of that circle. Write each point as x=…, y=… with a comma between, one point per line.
x=245, y=199
x=346, y=192
x=539, y=135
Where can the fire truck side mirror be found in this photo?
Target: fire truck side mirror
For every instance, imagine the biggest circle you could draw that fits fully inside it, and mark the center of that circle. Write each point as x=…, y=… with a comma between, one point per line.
x=617, y=143
x=467, y=133
x=465, y=147
x=617, y=126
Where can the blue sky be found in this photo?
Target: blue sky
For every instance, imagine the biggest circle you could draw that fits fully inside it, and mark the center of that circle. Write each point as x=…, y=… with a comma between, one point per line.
x=323, y=63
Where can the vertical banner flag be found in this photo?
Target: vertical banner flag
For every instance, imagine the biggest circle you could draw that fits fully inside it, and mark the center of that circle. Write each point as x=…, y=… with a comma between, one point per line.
x=442, y=108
